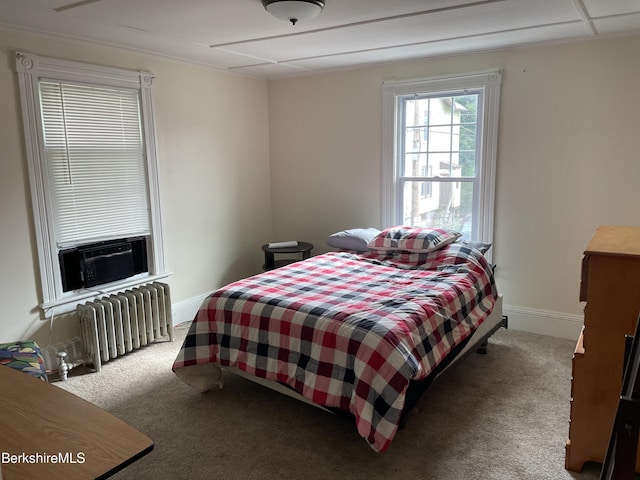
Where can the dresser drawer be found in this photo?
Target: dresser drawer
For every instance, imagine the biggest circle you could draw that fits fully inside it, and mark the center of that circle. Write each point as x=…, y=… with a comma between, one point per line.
x=584, y=278
x=579, y=350
x=577, y=369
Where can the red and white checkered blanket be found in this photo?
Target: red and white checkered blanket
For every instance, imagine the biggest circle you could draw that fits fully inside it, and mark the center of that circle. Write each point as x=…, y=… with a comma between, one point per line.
x=346, y=330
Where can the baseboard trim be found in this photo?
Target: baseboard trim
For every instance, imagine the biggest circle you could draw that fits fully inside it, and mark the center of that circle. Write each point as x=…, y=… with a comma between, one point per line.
x=185, y=311
x=544, y=322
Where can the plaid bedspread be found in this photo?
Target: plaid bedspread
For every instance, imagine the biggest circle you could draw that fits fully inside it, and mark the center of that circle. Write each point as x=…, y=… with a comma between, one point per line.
x=346, y=330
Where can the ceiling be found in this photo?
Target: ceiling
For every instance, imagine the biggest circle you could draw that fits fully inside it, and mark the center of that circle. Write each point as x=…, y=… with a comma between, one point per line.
x=240, y=36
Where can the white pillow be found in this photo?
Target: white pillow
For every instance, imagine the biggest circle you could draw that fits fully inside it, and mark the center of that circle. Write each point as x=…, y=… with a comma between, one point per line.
x=353, y=239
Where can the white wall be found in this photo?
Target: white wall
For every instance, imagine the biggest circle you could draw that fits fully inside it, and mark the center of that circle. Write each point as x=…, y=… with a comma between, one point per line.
x=567, y=160
x=212, y=130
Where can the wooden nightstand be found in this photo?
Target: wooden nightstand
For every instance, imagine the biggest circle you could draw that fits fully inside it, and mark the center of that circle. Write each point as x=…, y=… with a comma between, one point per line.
x=303, y=248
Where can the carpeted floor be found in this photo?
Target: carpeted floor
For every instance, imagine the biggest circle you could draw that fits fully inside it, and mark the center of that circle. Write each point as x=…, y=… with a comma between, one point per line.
x=501, y=416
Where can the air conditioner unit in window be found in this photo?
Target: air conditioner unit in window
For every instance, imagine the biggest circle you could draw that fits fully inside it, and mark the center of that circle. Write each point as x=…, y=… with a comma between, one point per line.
x=103, y=262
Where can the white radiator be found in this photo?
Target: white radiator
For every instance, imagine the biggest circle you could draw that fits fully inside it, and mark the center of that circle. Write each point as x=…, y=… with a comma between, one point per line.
x=115, y=325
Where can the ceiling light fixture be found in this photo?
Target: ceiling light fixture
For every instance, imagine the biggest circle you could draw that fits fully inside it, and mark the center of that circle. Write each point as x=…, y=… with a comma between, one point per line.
x=293, y=10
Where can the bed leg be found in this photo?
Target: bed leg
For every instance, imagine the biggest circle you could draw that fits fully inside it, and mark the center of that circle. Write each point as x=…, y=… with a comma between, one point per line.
x=403, y=420
x=482, y=349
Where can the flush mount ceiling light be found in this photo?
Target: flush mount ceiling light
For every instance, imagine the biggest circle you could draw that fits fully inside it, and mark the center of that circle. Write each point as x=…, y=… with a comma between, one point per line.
x=293, y=10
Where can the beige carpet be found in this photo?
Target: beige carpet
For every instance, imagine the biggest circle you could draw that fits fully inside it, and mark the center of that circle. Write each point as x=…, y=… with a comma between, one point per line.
x=500, y=416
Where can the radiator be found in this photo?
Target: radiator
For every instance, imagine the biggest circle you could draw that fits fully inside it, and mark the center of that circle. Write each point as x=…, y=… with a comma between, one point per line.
x=117, y=324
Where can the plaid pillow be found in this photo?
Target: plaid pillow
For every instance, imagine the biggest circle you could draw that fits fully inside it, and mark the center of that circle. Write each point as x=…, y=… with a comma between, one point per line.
x=413, y=239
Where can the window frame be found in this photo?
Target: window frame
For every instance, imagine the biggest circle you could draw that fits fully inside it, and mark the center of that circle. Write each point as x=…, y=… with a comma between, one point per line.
x=393, y=92
x=31, y=69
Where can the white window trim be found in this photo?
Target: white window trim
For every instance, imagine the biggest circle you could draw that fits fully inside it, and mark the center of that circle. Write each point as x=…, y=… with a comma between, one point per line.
x=31, y=68
x=489, y=82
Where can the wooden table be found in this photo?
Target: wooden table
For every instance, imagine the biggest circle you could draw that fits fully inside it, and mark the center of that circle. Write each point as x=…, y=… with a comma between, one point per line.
x=57, y=435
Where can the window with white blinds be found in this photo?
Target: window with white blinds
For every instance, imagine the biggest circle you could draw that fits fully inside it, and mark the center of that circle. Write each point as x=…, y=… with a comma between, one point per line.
x=97, y=174
x=93, y=170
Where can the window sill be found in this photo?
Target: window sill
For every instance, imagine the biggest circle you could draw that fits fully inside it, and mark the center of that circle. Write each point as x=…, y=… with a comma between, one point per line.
x=72, y=299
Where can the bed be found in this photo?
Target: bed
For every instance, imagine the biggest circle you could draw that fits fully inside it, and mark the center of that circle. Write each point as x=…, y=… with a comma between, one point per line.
x=359, y=332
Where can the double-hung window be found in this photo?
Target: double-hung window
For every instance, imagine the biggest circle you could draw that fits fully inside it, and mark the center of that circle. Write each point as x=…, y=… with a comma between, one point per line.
x=439, y=145
x=92, y=164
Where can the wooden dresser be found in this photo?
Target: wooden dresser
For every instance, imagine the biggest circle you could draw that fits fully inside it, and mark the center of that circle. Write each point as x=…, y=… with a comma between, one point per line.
x=610, y=286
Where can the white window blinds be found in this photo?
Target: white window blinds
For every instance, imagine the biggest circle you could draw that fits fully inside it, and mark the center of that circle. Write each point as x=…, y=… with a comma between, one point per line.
x=96, y=165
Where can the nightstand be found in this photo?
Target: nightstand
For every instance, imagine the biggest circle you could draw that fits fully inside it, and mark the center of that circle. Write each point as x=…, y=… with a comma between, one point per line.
x=303, y=248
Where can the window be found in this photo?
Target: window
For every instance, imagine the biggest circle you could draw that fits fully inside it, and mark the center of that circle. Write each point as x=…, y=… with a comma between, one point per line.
x=426, y=188
x=92, y=166
x=439, y=153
